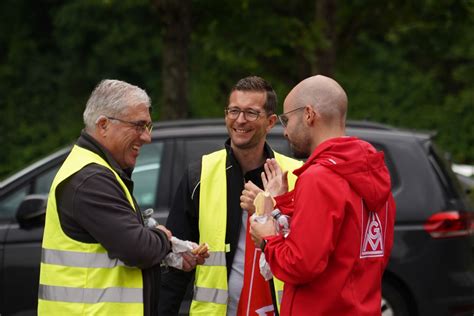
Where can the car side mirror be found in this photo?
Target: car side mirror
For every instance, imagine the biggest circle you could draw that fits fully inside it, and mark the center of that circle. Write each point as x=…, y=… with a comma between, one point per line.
x=32, y=210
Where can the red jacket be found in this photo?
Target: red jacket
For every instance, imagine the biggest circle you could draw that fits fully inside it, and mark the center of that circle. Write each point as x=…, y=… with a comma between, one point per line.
x=341, y=236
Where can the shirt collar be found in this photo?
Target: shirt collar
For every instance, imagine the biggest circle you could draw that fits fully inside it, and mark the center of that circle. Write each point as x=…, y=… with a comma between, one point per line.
x=88, y=142
x=232, y=160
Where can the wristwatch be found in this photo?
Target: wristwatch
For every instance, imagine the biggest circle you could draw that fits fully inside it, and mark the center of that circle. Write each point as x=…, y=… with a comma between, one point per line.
x=263, y=244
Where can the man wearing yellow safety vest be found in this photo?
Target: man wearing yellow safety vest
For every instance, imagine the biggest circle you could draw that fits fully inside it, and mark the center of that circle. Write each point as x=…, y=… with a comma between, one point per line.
x=207, y=209
x=98, y=258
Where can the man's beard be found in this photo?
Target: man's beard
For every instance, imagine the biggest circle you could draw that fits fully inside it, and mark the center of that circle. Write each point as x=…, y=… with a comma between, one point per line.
x=297, y=153
x=300, y=144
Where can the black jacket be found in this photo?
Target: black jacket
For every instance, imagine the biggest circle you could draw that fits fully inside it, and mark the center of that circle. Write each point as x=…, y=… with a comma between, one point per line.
x=184, y=218
x=93, y=208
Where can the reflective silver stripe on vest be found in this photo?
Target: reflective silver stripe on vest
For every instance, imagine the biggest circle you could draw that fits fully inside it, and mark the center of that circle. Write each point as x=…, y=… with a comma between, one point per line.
x=280, y=296
x=204, y=294
x=78, y=259
x=216, y=258
x=90, y=296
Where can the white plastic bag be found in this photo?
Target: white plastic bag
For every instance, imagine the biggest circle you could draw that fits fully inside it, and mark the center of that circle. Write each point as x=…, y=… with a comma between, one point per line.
x=265, y=270
x=178, y=247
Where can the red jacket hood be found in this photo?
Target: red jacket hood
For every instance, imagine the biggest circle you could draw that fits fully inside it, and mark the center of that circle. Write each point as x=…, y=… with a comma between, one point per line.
x=359, y=163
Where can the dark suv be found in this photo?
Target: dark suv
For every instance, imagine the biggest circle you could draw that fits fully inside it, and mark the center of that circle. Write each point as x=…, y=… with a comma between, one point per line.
x=431, y=271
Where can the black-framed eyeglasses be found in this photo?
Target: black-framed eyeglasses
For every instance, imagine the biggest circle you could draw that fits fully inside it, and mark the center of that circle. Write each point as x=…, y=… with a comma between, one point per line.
x=284, y=117
x=249, y=115
x=140, y=126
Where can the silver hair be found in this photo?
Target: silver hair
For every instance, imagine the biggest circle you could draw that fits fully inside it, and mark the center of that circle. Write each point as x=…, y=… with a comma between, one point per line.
x=111, y=98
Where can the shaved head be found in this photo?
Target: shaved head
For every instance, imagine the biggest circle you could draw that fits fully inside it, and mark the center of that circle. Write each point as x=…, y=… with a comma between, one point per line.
x=325, y=95
x=322, y=105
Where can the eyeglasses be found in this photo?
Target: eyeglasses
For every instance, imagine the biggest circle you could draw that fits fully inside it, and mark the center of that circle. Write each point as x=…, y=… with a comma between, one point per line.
x=140, y=126
x=249, y=115
x=284, y=117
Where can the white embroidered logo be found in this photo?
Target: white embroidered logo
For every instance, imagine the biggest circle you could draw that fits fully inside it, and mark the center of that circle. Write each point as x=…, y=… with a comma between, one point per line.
x=372, y=241
x=264, y=310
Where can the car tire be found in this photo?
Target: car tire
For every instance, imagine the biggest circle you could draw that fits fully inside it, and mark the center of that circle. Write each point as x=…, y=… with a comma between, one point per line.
x=393, y=302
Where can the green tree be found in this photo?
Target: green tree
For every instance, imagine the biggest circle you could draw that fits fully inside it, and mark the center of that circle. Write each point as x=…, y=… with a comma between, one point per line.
x=408, y=64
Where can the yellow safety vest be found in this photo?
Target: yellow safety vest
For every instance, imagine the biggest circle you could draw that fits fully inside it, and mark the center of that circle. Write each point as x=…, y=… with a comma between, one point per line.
x=210, y=285
x=78, y=278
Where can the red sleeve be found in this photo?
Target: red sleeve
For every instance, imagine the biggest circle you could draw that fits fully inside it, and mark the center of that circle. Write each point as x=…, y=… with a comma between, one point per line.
x=315, y=225
x=285, y=204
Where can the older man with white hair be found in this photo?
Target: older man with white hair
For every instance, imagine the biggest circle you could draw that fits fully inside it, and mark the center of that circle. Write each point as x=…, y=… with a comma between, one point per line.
x=97, y=255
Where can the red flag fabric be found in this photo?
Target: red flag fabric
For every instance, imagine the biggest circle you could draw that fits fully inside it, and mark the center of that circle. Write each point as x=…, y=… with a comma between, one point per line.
x=255, y=298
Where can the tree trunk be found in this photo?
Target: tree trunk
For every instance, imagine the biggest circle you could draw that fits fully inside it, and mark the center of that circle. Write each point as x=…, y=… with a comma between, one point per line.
x=176, y=20
x=326, y=56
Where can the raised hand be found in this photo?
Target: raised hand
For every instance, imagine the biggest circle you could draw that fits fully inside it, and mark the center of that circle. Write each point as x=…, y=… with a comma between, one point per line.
x=275, y=181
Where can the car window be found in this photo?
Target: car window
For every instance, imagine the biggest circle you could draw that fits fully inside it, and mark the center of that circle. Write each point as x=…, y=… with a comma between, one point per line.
x=40, y=185
x=443, y=170
x=195, y=148
x=145, y=177
x=390, y=165
x=146, y=174
x=9, y=204
x=43, y=182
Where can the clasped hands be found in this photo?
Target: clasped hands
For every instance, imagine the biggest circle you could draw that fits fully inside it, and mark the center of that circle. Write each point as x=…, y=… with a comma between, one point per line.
x=275, y=181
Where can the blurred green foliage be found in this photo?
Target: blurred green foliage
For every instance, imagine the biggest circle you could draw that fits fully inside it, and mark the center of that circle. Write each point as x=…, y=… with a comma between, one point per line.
x=408, y=64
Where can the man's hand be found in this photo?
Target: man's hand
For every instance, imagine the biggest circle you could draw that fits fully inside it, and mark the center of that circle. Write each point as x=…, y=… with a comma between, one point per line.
x=248, y=196
x=189, y=261
x=258, y=231
x=165, y=230
x=275, y=181
x=201, y=250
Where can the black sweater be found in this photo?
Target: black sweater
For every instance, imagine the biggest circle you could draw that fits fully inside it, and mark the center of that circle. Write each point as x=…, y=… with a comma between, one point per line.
x=93, y=208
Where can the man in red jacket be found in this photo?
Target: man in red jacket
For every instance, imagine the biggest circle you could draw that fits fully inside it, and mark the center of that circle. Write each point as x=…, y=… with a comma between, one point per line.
x=342, y=210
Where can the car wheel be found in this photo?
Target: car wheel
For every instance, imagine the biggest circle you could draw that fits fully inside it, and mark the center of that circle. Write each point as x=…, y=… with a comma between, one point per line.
x=393, y=303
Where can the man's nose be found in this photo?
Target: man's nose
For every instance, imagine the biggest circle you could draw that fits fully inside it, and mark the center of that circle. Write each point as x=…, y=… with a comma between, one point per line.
x=146, y=137
x=241, y=117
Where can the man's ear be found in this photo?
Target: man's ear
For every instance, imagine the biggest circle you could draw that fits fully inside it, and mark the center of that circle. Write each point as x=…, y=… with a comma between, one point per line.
x=102, y=124
x=271, y=121
x=310, y=115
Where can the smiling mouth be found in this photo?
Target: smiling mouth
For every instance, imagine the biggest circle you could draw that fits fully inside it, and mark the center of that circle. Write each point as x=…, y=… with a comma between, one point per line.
x=241, y=131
